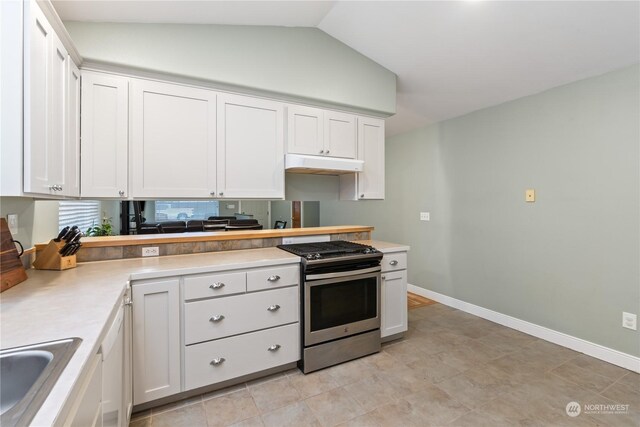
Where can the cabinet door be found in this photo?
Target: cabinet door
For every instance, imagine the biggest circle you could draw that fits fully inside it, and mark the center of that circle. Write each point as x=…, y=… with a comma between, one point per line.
x=394, y=303
x=38, y=139
x=72, y=149
x=87, y=409
x=127, y=374
x=156, y=340
x=173, y=138
x=250, y=148
x=56, y=154
x=305, y=130
x=371, y=150
x=104, y=135
x=339, y=135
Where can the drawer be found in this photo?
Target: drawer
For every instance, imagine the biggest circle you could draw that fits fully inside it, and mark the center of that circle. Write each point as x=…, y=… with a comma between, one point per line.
x=394, y=261
x=221, y=360
x=214, y=285
x=269, y=278
x=239, y=314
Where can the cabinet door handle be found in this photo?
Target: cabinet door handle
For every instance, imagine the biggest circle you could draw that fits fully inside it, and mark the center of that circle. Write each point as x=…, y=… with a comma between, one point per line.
x=273, y=278
x=362, y=196
x=327, y=152
x=217, y=361
x=274, y=307
x=121, y=193
x=274, y=347
x=321, y=151
x=217, y=285
x=393, y=262
x=221, y=194
x=383, y=277
x=213, y=193
x=216, y=318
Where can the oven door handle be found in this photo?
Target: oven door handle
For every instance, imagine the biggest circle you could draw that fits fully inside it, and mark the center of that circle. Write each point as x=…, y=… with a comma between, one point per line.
x=343, y=273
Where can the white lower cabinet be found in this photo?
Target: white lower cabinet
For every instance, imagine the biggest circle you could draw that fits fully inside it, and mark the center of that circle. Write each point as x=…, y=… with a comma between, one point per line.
x=394, y=294
x=156, y=339
x=222, y=317
x=228, y=358
x=197, y=330
x=87, y=409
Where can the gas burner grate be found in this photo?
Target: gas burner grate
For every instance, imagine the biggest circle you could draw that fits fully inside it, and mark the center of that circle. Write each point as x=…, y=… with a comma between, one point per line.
x=335, y=247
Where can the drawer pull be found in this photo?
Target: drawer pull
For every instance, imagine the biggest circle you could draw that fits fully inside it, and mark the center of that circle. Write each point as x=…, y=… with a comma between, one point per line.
x=217, y=285
x=216, y=318
x=274, y=307
x=274, y=347
x=394, y=262
x=217, y=361
x=273, y=278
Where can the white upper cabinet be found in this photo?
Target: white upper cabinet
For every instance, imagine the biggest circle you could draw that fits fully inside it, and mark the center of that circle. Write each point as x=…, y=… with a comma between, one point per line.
x=319, y=132
x=173, y=140
x=72, y=150
x=49, y=167
x=250, y=147
x=305, y=130
x=104, y=135
x=339, y=135
x=368, y=184
x=371, y=150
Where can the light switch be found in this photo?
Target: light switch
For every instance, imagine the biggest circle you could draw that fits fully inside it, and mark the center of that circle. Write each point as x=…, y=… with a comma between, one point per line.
x=530, y=195
x=424, y=216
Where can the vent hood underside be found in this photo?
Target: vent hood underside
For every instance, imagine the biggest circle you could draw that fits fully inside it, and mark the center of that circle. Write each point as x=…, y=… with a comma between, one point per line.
x=300, y=163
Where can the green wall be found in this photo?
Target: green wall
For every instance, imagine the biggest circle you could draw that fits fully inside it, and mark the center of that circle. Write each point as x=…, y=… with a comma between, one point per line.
x=571, y=260
x=303, y=63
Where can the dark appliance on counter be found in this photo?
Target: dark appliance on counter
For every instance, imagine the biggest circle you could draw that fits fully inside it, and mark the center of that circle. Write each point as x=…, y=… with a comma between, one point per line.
x=340, y=302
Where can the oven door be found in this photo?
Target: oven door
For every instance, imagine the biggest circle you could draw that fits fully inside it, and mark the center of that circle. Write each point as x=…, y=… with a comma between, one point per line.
x=342, y=305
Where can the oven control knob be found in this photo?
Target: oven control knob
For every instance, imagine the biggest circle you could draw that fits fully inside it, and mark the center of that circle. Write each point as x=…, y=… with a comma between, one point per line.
x=317, y=256
x=309, y=256
x=367, y=251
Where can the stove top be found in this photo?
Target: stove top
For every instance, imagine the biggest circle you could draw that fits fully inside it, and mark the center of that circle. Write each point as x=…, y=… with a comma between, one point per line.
x=333, y=249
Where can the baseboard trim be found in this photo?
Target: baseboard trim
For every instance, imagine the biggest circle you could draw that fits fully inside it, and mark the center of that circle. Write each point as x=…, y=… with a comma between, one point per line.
x=598, y=351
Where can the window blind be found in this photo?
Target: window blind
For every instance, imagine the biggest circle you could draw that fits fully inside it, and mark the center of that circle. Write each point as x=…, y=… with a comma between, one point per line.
x=84, y=214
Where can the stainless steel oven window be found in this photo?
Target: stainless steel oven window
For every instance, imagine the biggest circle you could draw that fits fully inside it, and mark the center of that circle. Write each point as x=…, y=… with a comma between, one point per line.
x=366, y=320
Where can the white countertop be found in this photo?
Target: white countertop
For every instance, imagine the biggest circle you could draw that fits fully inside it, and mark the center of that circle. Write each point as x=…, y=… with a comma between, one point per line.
x=53, y=305
x=384, y=247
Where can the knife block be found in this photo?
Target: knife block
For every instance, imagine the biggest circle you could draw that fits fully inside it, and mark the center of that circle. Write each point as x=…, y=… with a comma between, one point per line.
x=50, y=259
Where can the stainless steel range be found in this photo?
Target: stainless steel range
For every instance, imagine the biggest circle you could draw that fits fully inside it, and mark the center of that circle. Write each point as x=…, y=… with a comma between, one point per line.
x=340, y=301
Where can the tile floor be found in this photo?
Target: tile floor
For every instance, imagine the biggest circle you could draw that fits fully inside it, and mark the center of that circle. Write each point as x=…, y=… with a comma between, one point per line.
x=451, y=369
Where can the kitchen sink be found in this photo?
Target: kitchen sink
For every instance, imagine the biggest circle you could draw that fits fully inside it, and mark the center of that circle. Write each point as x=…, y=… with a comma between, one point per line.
x=28, y=374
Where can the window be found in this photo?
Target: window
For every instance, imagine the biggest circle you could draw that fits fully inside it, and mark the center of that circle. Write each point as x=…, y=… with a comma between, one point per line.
x=84, y=214
x=185, y=209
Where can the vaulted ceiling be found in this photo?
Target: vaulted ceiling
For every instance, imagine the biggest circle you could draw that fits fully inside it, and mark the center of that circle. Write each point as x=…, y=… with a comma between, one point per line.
x=451, y=57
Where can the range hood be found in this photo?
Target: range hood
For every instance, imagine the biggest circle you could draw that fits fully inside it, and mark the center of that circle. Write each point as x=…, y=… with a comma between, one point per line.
x=300, y=163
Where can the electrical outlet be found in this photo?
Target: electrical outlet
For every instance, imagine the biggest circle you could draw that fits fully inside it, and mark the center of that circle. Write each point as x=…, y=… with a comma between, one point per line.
x=151, y=251
x=12, y=223
x=424, y=216
x=629, y=321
